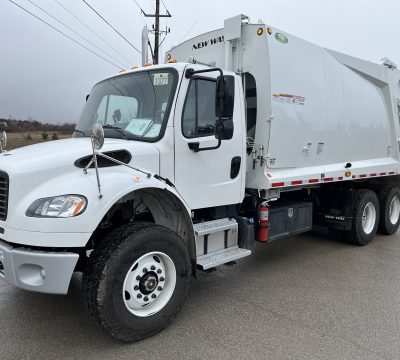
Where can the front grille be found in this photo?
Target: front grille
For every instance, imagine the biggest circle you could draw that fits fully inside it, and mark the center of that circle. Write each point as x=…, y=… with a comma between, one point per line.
x=4, y=184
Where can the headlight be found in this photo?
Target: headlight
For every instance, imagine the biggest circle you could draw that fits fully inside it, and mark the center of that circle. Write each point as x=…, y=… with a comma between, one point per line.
x=64, y=206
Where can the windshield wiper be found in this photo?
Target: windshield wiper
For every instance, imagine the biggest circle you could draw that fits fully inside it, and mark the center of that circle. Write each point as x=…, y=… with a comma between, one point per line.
x=148, y=128
x=121, y=131
x=79, y=132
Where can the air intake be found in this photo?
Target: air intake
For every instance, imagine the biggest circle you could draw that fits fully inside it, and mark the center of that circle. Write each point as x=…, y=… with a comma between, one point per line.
x=123, y=156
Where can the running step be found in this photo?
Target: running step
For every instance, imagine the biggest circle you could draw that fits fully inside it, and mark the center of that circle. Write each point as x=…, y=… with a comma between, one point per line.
x=212, y=227
x=215, y=259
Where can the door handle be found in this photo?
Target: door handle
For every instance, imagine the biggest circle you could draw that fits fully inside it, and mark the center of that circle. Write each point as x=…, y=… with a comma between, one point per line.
x=235, y=167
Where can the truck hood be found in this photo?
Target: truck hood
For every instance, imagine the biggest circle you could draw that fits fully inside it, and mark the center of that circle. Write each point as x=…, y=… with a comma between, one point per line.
x=60, y=155
x=48, y=169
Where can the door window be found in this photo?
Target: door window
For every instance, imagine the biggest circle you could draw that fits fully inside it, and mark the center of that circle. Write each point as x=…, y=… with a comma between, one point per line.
x=199, y=113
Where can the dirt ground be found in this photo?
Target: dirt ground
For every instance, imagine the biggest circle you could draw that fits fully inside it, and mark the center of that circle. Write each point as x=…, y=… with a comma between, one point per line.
x=16, y=140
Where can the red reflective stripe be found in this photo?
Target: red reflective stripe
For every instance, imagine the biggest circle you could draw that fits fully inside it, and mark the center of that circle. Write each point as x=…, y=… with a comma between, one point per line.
x=363, y=176
x=383, y=174
x=328, y=179
x=278, y=184
x=313, y=181
x=297, y=182
x=392, y=173
x=373, y=175
x=354, y=176
x=341, y=178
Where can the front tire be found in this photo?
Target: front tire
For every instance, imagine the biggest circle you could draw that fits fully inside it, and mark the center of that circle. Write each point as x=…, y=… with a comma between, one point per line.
x=365, y=218
x=137, y=281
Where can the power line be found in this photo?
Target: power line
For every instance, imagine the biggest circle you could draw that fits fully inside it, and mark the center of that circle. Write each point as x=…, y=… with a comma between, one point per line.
x=137, y=4
x=112, y=27
x=165, y=6
x=62, y=33
x=91, y=30
x=141, y=12
x=190, y=30
x=75, y=32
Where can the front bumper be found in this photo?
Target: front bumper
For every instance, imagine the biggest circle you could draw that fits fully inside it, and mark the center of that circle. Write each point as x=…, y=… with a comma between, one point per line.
x=40, y=271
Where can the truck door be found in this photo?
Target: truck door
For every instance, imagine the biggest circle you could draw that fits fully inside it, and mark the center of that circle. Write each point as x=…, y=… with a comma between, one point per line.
x=213, y=177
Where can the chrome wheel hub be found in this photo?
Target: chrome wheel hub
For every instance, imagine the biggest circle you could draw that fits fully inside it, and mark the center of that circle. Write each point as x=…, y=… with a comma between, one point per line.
x=369, y=218
x=394, y=212
x=149, y=284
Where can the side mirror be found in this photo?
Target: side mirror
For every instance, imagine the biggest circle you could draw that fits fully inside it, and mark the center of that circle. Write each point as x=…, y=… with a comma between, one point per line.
x=224, y=129
x=225, y=97
x=87, y=97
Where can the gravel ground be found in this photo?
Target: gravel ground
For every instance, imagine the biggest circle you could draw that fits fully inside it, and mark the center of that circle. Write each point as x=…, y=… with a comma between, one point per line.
x=306, y=297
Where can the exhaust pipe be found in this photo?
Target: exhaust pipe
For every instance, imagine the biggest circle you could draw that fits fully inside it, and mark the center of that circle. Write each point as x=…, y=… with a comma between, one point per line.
x=145, y=46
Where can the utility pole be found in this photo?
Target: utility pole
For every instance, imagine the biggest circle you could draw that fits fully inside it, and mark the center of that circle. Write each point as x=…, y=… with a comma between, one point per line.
x=156, y=31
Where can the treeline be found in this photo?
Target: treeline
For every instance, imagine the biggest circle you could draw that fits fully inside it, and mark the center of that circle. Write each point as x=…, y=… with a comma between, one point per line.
x=34, y=125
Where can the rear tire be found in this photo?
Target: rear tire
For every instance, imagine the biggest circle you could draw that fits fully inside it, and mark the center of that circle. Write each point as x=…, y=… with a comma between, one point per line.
x=365, y=218
x=137, y=280
x=389, y=204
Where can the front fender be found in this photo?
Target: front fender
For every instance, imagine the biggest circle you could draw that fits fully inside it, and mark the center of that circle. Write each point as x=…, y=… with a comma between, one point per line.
x=116, y=183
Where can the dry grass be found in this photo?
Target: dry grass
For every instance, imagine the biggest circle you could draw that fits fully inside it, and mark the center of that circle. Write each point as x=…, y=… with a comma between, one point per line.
x=16, y=140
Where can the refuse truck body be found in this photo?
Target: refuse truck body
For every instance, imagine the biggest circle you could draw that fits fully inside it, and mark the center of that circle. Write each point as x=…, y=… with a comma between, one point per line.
x=244, y=136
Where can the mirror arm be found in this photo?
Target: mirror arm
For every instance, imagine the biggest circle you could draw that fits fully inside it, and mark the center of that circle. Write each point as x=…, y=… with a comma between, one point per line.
x=94, y=160
x=195, y=146
x=190, y=72
x=148, y=175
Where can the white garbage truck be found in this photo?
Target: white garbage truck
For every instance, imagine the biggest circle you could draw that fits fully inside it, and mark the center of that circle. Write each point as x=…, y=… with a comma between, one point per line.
x=245, y=134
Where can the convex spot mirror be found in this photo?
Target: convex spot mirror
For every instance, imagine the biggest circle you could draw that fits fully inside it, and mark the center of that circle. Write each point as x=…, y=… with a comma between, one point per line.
x=3, y=142
x=97, y=136
x=225, y=97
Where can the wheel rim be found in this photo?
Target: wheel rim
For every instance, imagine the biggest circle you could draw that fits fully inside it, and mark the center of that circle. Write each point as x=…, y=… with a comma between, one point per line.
x=369, y=218
x=394, y=212
x=149, y=284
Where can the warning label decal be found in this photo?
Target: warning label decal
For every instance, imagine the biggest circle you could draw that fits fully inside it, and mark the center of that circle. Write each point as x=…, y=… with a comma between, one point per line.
x=289, y=99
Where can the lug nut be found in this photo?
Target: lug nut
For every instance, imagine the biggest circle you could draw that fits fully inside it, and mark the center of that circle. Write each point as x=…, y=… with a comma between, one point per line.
x=153, y=267
x=162, y=279
x=139, y=296
x=159, y=271
x=146, y=298
x=154, y=296
x=138, y=278
x=136, y=288
x=159, y=288
x=145, y=270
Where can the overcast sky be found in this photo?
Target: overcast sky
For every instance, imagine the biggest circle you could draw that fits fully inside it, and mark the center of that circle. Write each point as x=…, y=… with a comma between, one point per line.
x=46, y=76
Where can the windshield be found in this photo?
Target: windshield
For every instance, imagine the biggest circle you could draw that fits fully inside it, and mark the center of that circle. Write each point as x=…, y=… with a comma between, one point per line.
x=134, y=106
